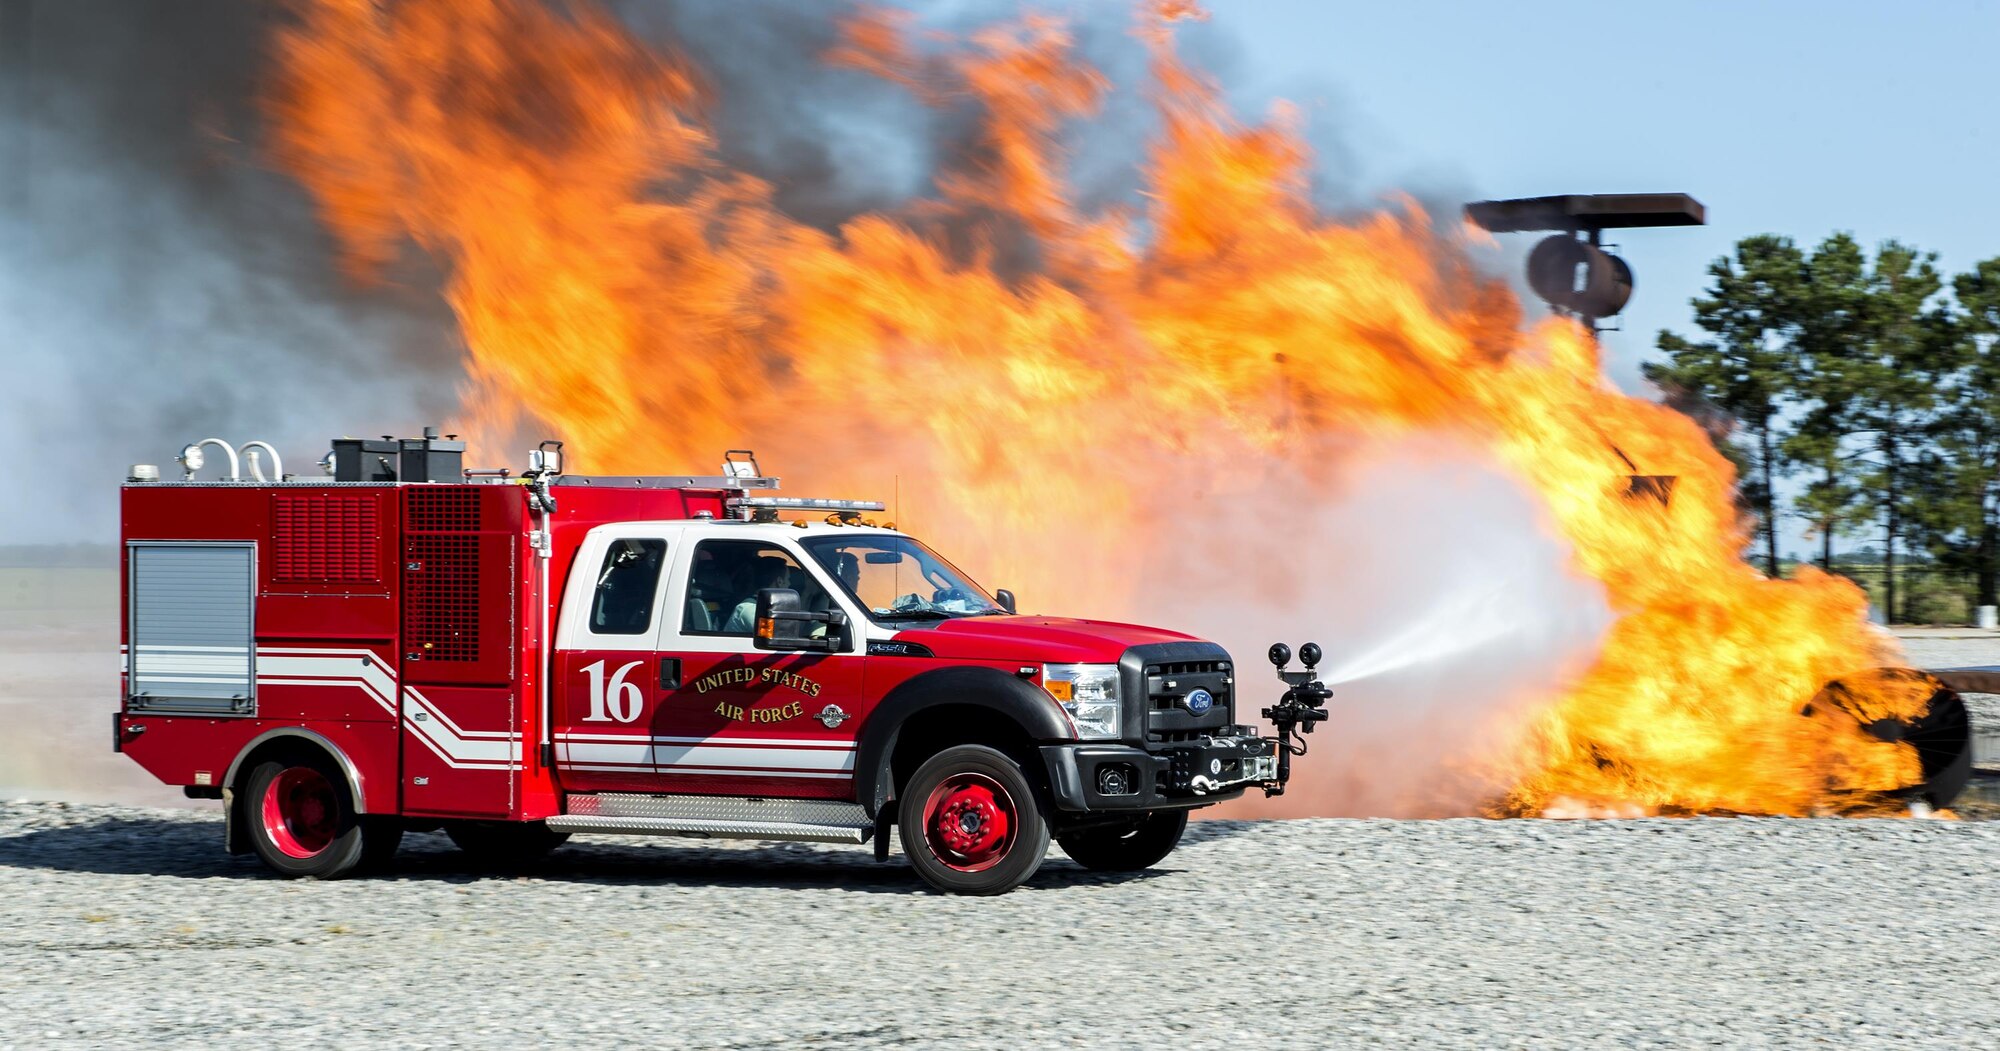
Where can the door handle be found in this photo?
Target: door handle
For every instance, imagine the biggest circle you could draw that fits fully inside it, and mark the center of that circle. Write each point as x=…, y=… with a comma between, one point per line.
x=670, y=673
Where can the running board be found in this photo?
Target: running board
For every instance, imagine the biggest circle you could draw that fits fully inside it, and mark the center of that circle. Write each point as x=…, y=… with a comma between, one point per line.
x=715, y=817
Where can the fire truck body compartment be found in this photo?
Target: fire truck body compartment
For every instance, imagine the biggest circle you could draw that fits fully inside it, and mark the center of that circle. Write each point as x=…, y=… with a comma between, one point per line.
x=398, y=623
x=392, y=622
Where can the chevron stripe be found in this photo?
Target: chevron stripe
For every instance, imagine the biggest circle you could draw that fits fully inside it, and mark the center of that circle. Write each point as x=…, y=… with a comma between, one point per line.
x=461, y=749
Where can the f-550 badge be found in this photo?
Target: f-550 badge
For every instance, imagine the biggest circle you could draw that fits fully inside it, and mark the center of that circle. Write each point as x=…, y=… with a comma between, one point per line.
x=831, y=716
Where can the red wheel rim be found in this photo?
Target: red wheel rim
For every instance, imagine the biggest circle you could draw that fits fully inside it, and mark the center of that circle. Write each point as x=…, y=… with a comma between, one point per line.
x=970, y=822
x=299, y=812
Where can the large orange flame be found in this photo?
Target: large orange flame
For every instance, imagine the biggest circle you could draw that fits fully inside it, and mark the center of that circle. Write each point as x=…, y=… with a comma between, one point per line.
x=619, y=287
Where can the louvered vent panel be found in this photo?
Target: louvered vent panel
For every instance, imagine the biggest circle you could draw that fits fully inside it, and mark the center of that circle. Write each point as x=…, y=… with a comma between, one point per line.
x=324, y=538
x=441, y=577
x=444, y=509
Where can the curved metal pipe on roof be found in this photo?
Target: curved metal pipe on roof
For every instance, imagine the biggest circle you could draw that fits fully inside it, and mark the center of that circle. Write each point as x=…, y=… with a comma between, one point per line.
x=256, y=469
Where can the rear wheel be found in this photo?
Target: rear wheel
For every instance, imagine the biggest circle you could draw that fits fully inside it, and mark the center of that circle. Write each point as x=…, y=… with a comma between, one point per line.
x=501, y=842
x=302, y=822
x=1129, y=847
x=970, y=822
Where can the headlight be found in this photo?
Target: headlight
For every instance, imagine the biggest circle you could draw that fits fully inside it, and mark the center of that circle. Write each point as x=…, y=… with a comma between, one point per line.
x=1089, y=693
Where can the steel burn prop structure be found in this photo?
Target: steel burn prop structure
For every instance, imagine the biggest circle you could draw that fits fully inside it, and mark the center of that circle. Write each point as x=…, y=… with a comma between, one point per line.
x=1573, y=272
x=1571, y=269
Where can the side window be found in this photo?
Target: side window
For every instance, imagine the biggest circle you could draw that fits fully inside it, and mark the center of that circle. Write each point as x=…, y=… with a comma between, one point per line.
x=626, y=583
x=722, y=586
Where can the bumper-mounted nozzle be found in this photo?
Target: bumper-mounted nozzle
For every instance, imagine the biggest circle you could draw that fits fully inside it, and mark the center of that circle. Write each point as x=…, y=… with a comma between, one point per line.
x=1297, y=712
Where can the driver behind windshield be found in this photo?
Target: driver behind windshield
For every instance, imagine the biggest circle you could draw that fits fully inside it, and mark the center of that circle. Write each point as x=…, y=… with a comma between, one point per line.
x=936, y=590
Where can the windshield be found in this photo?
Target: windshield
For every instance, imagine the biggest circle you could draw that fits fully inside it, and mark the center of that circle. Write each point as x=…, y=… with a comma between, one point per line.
x=897, y=578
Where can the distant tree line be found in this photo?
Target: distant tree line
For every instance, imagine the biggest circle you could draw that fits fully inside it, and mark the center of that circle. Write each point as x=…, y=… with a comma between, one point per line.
x=1873, y=384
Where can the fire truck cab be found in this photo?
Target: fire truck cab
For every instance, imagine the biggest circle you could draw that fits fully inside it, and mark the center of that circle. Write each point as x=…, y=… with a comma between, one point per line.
x=408, y=645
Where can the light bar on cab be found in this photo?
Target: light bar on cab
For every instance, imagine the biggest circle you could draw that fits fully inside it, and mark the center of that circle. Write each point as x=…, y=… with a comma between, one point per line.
x=806, y=503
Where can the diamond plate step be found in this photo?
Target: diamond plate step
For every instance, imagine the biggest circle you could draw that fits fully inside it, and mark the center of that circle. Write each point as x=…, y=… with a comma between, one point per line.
x=717, y=817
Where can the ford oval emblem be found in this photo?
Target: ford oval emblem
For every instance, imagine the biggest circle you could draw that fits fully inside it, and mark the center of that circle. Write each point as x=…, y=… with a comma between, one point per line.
x=1199, y=702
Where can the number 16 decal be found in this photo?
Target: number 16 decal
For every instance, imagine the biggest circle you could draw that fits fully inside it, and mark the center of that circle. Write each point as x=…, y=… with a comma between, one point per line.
x=616, y=701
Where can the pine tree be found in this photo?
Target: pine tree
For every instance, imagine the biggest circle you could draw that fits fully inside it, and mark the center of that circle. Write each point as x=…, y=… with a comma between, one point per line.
x=1830, y=317
x=1891, y=378
x=1964, y=514
x=1744, y=369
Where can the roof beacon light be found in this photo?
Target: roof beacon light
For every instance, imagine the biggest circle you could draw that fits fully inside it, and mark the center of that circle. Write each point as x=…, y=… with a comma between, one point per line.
x=740, y=463
x=191, y=459
x=545, y=458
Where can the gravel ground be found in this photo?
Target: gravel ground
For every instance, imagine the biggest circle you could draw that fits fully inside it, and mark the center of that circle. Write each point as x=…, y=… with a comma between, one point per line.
x=130, y=927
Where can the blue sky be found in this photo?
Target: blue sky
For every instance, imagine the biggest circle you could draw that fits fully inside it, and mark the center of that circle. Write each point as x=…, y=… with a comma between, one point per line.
x=1793, y=118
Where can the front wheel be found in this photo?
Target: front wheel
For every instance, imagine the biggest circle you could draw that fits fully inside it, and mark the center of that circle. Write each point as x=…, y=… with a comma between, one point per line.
x=1129, y=847
x=969, y=821
x=302, y=822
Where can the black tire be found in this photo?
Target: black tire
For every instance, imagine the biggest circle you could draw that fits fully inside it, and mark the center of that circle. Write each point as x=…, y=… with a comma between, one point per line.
x=974, y=797
x=504, y=842
x=1129, y=847
x=301, y=819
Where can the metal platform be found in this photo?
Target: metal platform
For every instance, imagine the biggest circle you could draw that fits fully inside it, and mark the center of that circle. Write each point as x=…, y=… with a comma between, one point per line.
x=1588, y=211
x=715, y=817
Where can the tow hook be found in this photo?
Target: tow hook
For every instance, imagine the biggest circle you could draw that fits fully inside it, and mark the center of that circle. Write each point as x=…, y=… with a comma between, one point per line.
x=1298, y=711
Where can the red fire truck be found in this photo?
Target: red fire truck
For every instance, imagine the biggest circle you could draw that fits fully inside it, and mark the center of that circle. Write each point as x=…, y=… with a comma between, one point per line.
x=407, y=645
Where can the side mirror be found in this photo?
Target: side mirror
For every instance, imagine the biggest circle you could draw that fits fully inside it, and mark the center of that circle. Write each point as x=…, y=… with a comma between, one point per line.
x=782, y=625
x=1005, y=598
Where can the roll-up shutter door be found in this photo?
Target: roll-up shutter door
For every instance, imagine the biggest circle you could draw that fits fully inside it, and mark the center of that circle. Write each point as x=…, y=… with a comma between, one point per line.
x=191, y=647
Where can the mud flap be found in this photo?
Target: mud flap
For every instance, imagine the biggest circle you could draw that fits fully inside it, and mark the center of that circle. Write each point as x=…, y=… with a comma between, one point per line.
x=233, y=839
x=885, y=822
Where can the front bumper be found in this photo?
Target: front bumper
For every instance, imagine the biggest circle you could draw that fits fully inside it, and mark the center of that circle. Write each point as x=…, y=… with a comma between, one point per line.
x=1089, y=776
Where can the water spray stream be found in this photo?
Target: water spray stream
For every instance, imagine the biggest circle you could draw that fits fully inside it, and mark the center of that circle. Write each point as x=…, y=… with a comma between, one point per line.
x=1470, y=618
